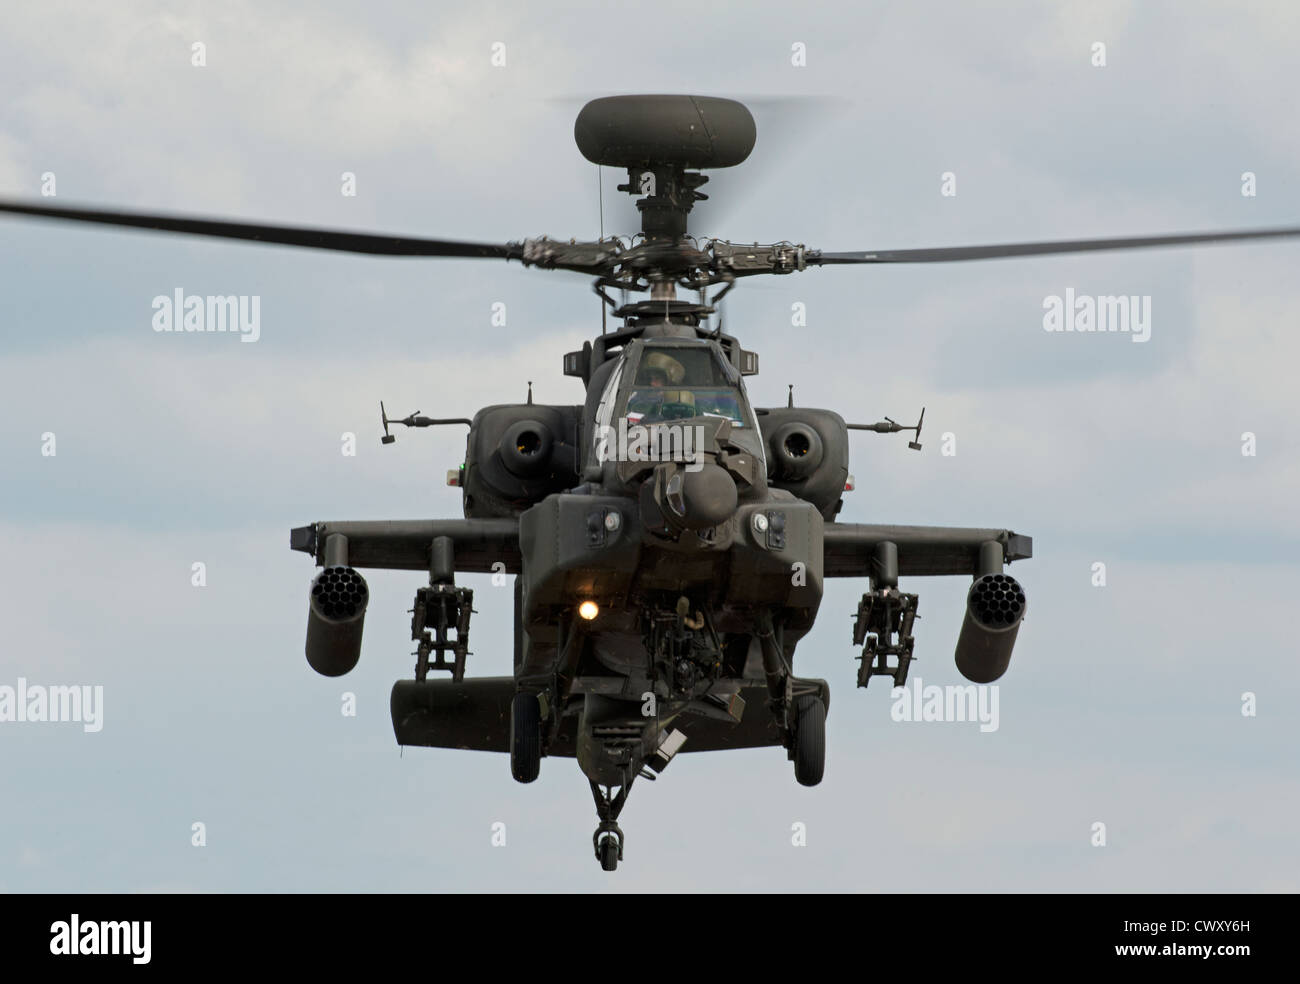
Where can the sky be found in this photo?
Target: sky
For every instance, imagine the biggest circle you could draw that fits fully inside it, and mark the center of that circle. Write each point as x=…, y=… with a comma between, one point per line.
x=1155, y=703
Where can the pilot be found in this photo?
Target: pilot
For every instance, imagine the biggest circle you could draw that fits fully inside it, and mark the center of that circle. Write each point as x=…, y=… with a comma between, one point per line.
x=659, y=403
x=659, y=370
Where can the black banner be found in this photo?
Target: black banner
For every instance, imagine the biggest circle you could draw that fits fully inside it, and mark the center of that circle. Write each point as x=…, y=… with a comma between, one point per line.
x=144, y=934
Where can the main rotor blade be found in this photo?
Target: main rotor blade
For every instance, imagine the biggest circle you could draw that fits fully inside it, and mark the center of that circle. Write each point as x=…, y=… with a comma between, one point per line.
x=951, y=253
x=347, y=242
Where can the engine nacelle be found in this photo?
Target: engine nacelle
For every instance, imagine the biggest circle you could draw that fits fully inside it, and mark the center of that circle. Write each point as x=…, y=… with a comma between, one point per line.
x=995, y=607
x=335, y=616
x=807, y=454
x=518, y=454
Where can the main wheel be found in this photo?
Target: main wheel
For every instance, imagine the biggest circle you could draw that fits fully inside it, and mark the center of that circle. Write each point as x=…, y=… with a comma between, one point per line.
x=609, y=853
x=809, y=740
x=525, y=737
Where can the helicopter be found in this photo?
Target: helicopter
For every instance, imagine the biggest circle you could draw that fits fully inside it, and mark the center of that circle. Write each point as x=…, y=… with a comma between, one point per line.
x=669, y=539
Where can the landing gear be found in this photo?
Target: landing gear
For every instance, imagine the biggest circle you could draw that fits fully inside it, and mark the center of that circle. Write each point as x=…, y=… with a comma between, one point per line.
x=798, y=704
x=609, y=848
x=809, y=751
x=525, y=737
x=608, y=838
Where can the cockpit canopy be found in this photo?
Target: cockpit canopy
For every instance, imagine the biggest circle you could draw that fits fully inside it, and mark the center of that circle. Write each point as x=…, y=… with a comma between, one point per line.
x=676, y=380
x=681, y=382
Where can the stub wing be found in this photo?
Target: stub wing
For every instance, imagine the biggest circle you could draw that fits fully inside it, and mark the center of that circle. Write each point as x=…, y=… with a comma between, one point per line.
x=403, y=545
x=848, y=548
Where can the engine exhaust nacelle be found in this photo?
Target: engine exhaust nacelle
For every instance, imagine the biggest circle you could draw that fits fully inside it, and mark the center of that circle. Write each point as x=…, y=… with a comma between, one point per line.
x=335, y=615
x=995, y=608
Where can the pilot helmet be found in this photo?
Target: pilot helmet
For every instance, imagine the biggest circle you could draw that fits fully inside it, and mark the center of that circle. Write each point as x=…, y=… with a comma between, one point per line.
x=665, y=363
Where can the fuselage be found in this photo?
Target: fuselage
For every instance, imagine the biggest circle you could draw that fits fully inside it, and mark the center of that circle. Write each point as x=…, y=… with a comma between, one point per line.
x=671, y=543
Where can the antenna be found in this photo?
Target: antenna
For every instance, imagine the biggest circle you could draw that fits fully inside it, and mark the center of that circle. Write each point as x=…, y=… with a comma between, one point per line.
x=891, y=426
x=416, y=420
x=915, y=445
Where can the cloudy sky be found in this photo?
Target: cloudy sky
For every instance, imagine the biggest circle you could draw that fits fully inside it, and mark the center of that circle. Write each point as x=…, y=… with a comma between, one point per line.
x=1124, y=703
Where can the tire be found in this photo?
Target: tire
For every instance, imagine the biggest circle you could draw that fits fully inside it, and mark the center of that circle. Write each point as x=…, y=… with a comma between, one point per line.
x=809, y=741
x=609, y=853
x=525, y=737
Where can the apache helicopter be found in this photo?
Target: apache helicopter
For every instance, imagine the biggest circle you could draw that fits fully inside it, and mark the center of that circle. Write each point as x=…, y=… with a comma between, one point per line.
x=669, y=539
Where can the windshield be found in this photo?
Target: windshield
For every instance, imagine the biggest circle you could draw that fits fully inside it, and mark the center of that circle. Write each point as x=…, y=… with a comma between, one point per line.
x=679, y=383
x=659, y=403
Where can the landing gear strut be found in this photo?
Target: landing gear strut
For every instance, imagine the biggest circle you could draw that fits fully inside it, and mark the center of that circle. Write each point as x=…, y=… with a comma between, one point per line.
x=608, y=838
x=799, y=706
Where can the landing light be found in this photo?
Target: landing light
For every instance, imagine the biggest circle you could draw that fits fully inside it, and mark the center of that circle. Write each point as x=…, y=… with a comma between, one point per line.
x=588, y=610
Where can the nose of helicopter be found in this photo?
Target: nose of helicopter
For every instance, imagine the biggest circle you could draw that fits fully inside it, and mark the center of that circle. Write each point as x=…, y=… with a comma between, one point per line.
x=698, y=499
